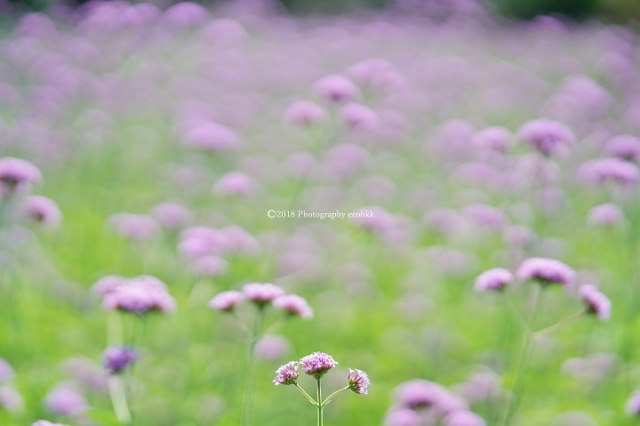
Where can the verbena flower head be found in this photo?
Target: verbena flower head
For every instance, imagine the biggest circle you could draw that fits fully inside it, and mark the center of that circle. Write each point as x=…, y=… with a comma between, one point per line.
x=46, y=423
x=65, y=401
x=287, y=374
x=493, y=280
x=16, y=174
x=6, y=371
x=603, y=170
x=492, y=138
x=403, y=417
x=305, y=113
x=293, y=305
x=211, y=136
x=140, y=295
x=11, y=400
x=209, y=266
x=626, y=147
x=358, y=381
x=136, y=227
x=42, y=210
x=234, y=183
x=607, y=214
x=545, y=271
x=171, y=215
x=336, y=89
x=418, y=394
x=464, y=418
x=272, y=347
x=118, y=358
x=597, y=303
x=226, y=301
x=633, y=404
x=317, y=364
x=262, y=293
x=546, y=136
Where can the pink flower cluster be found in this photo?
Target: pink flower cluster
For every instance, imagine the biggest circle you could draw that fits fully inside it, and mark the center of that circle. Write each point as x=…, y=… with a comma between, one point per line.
x=137, y=295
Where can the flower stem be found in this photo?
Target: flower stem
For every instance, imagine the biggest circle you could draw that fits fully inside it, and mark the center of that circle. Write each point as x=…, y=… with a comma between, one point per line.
x=330, y=397
x=249, y=388
x=309, y=398
x=320, y=404
x=119, y=400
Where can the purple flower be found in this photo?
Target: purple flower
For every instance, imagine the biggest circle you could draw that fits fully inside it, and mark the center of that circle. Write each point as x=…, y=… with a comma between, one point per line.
x=607, y=214
x=210, y=266
x=305, y=113
x=317, y=364
x=10, y=399
x=6, y=371
x=374, y=219
x=358, y=381
x=403, y=417
x=493, y=280
x=171, y=215
x=107, y=284
x=545, y=271
x=118, y=358
x=492, y=138
x=359, y=117
x=226, y=301
x=17, y=174
x=210, y=136
x=293, y=305
x=286, y=374
x=546, y=136
x=235, y=183
x=336, y=89
x=46, y=423
x=485, y=216
x=418, y=393
x=602, y=170
x=140, y=295
x=136, y=227
x=262, y=293
x=626, y=147
x=63, y=400
x=272, y=347
x=43, y=210
x=464, y=418
x=597, y=303
x=633, y=404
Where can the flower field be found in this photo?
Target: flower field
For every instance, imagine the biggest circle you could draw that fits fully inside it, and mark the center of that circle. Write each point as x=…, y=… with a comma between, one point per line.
x=223, y=216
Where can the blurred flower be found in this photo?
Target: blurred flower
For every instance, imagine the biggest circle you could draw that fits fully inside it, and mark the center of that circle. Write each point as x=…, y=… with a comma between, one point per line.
x=261, y=293
x=493, y=279
x=402, y=417
x=597, y=303
x=336, y=89
x=633, y=404
x=287, y=374
x=140, y=295
x=17, y=174
x=272, y=347
x=418, y=393
x=317, y=364
x=226, y=301
x=46, y=423
x=43, y=210
x=607, y=214
x=235, y=183
x=546, y=136
x=485, y=216
x=117, y=358
x=600, y=171
x=209, y=266
x=305, y=113
x=210, y=136
x=11, y=400
x=171, y=215
x=293, y=305
x=6, y=371
x=63, y=400
x=545, y=271
x=107, y=284
x=136, y=227
x=464, y=418
x=626, y=147
x=359, y=117
x=358, y=381
x=492, y=138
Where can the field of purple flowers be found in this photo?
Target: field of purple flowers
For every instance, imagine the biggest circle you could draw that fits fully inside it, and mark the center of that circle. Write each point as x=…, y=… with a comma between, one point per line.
x=220, y=217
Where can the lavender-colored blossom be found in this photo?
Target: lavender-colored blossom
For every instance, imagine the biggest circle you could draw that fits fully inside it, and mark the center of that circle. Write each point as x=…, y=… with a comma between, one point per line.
x=336, y=89
x=607, y=214
x=235, y=183
x=418, y=394
x=374, y=219
x=545, y=271
x=210, y=136
x=493, y=280
x=140, y=295
x=546, y=136
x=11, y=400
x=603, y=170
x=403, y=417
x=226, y=301
x=42, y=210
x=493, y=138
x=287, y=374
x=171, y=215
x=136, y=227
x=107, y=284
x=626, y=147
x=46, y=423
x=464, y=418
x=485, y=216
x=317, y=364
x=597, y=303
x=305, y=113
x=64, y=400
x=198, y=241
x=633, y=404
x=262, y=293
x=358, y=381
x=209, y=266
x=17, y=174
x=359, y=117
x=293, y=305
x=117, y=358
x=272, y=347
x=6, y=371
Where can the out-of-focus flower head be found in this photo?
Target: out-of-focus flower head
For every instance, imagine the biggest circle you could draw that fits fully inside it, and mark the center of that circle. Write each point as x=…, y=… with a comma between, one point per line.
x=545, y=271
x=597, y=303
x=607, y=214
x=336, y=89
x=402, y=417
x=626, y=147
x=359, y=117
x=64, y=400
x=235, y=183
x=17, y=175
x=226, y=301
x=46, y=423
x=493, y=280
x=6, y=371
x=293, y=305
x=136, y=227
x=209, y=266
x=493, y=138
x=305, y=113
x=140, y=295
x=11, y=400
x=117, y=358
x=272, y=347
x=358, y=381
x=633, y=404
x=210, y=136
x=171, y=215
x=602, y=170
x=546, y=136
x=485, y=216
x=317, y=364
x=464, y=418
x=42, y=210
x=262, y=294
x=374, y=219
x=419, y=394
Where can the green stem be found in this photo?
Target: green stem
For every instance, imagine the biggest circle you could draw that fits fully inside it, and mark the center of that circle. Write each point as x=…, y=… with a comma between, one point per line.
x=560, y=323
x=320, y=405
x=249, y=388
x=119, y=400
x=309, y=398
x=330, y=397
